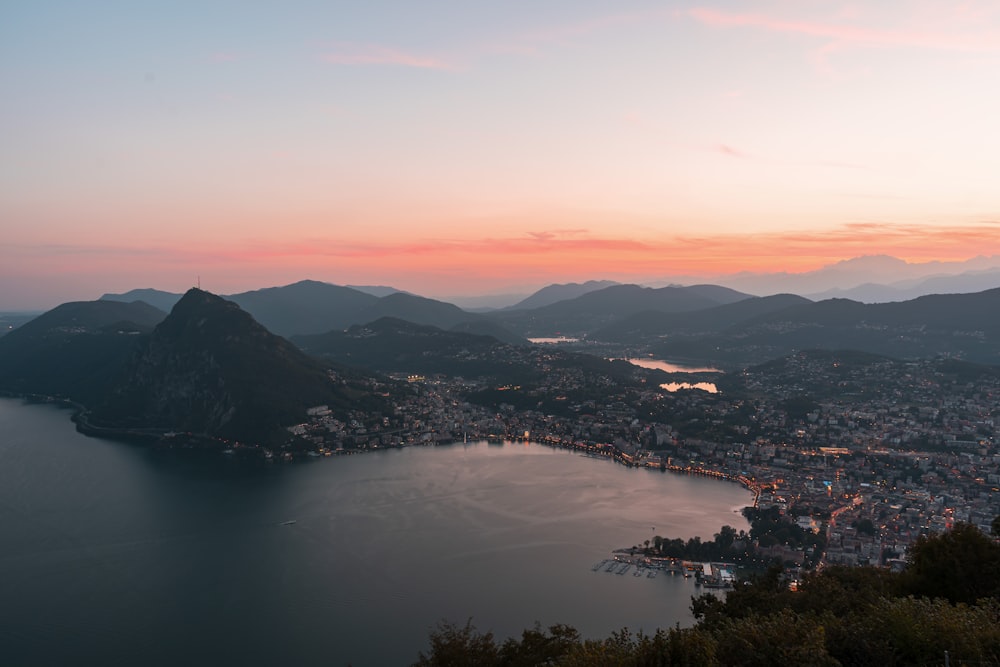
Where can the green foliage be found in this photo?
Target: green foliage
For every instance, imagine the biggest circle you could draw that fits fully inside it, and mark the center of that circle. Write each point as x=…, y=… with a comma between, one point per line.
x=452, y=646
x=537, y=647
x=782, y=638
x=960, y=565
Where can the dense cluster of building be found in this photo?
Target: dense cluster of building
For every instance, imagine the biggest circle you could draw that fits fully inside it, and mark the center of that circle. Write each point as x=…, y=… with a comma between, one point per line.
x=875, y=453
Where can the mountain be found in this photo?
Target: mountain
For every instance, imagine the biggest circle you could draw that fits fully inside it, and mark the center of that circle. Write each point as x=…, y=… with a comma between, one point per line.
x=74, y=350
x=308, y=306
x=210, y=369
x=11, y=321
x=485, y=303
x=374, y=290
x=963, y=326
x=392, y=345
x=485, y=327
x=416, y=309
x=971, y=281
x=313, y=307
x=599, y=308
x=649, y=325
x=561, y=292
x=852, y=273
x=154, y=297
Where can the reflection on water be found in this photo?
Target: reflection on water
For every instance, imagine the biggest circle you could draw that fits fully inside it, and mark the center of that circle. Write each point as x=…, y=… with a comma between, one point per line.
x=554, y=339
x=670, y=367
x=131, y=556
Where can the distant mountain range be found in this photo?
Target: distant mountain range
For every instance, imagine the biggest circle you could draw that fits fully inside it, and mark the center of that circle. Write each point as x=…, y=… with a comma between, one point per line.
x=964, y=326
x=211, y=368
x=592, y=310
x=555, y=293
x=705, y=323
x=875, y=279
x=312, y=307
x=650, y=326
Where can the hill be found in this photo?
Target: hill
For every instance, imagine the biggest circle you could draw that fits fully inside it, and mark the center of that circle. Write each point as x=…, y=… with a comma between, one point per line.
x=308, y=306
x=154, y=297
x=963, y=326
x=650, y=325
x=560, y=292
x=313, y=307
x=599, y=308
x=392, y=345
x=210, y=369
x=74, y=350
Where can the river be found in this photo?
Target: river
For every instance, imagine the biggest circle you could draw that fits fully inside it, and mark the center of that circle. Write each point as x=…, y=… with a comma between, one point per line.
x=117, y=554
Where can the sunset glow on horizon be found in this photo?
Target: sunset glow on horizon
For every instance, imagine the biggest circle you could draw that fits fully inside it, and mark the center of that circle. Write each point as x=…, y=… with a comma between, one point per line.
x=453, y=149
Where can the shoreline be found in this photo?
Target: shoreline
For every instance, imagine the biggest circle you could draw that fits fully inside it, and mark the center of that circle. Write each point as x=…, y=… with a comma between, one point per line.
x=158, y=438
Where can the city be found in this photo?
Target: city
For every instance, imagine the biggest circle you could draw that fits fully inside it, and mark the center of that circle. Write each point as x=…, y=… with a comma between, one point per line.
x=897, y=450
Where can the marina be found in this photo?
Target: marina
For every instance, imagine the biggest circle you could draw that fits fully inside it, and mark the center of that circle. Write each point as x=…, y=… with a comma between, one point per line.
x=707, y=575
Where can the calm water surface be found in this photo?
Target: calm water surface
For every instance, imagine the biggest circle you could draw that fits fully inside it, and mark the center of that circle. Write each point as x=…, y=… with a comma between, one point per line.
x=113, y=554
x=669, y=366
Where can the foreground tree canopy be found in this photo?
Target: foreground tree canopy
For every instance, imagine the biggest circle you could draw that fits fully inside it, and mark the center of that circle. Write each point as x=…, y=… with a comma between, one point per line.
x=944, y=607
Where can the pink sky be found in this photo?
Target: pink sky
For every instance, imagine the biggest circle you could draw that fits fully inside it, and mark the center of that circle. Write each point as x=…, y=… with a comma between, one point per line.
x=448, y=149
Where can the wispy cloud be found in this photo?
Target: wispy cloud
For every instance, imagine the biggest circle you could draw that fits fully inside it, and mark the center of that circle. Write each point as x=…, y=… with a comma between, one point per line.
x=965, y=40
x=729, y=151
x=350, y=53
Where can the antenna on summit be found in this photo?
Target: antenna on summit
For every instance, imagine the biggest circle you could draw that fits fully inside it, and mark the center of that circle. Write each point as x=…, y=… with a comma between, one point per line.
x=199, y=282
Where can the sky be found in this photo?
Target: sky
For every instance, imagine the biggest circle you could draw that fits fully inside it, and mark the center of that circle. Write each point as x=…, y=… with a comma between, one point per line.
x=456, y=148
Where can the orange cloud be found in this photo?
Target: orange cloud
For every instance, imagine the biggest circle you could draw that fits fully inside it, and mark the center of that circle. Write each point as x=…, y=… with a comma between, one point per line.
x=456, y=266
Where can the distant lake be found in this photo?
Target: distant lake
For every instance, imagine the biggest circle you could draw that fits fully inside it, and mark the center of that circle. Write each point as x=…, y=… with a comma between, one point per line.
x=553, y=339
x=703, y=386
x=113, y=554
x=670, y=367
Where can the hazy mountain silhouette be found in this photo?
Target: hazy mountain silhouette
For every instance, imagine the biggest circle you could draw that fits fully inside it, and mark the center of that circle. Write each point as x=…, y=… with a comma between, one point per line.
x=312, y=307
x=308, y=306
x=154, y=297
x=965, y=326
x=375, y=290
x=651, y=324
x=601, y=307
x=416, y=309
x=560, y=292
x=972, y=281
x=852, y=273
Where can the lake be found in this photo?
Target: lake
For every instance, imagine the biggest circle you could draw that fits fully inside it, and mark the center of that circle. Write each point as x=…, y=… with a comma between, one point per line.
x=670, y=367
x=117, y=554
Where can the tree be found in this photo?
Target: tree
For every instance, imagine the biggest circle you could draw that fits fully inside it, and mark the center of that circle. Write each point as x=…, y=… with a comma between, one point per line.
x=454, y=645
x=537, y=647
x=961, y=565
x=783, y=638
